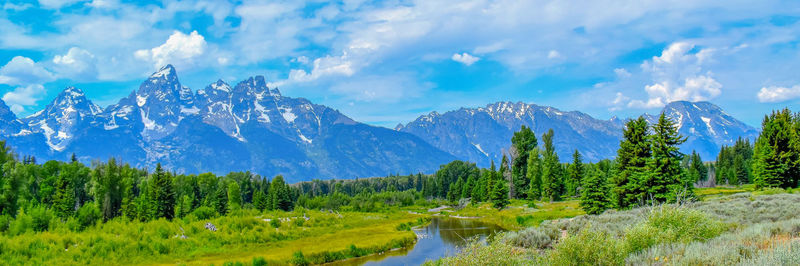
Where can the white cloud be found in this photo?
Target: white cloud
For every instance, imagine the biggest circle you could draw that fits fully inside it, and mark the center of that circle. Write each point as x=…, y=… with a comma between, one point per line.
x=23, y=96
x=465, y=59
x=56, y=4
x=773, y=94
x=553, y=54
x=676, y=75
x=104, y=3
x=325, y=66
x=622, y=73
x=23, y=71
x=180, y=49
x=16, y=7
x=76, y=64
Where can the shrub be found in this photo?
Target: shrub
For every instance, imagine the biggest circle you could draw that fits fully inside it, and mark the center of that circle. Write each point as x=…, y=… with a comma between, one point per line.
x=589, y=247
x=671, y=225
x=204, y=213
x=259, y=261
x=41, y=217
x=275, y=223
x=88, y=215
x=533, y=237
x=22, y=224
x=298, y=259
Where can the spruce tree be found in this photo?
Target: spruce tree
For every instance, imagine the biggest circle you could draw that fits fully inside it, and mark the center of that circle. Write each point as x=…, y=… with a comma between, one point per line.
x=775, y=156
x=575, y=174
x=535, y=175
x=499, y=194
x=162, y=194
x=632, y=157
x=234, y=196
x=594, y=195
x=64, y=198
x=552, y=170
x=665, y=179
x=523, y=141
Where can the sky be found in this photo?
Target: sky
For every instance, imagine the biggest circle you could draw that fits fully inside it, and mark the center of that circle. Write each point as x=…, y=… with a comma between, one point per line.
x=388, y=62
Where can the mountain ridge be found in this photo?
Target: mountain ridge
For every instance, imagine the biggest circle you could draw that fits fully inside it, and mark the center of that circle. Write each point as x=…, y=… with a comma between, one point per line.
x=252, y=127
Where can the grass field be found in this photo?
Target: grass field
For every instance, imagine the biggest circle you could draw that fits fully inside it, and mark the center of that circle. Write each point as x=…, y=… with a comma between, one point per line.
x=728, y=227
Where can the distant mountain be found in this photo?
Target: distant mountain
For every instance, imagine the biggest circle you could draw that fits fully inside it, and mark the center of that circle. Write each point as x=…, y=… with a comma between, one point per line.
x=481, y=134
x=252, y=127
x=248, y=127
x=706, y=126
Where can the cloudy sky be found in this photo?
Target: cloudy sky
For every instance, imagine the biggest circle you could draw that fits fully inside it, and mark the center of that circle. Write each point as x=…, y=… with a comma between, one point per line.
x=386, y=62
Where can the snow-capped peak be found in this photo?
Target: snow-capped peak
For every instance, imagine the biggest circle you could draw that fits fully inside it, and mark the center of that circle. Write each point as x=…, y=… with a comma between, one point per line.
x=164, y=72
x=220, y=85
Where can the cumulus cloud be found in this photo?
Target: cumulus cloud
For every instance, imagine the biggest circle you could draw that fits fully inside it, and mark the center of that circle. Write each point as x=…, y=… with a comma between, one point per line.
x=324, y=66
x=773, y=94
x=677, y=74
x=76, y=64
x=179, y=49
x=23, y=96
x=465, y=59
x=23, y=71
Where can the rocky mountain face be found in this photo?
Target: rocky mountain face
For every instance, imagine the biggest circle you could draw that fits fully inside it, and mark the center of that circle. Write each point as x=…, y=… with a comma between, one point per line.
x=247, y=127
x=482, y=134
x=252, y=127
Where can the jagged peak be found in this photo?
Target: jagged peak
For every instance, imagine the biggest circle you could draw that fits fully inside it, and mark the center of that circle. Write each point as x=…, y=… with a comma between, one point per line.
x=164, y=72
x=74, y=97
x=257, y=84
x=220, y=85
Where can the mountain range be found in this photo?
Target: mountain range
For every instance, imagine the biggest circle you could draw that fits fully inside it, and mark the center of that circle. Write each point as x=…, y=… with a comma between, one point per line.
x=252, y=127
x=481, y=134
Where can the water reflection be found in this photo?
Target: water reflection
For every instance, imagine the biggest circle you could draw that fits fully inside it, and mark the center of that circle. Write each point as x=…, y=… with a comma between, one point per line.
x=440, y=238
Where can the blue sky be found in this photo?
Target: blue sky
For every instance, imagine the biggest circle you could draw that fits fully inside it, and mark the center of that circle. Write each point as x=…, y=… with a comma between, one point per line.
x=387, y=62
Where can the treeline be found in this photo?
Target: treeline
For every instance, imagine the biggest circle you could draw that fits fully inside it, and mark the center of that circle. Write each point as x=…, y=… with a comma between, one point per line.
x=33, y=195
x=649, y=168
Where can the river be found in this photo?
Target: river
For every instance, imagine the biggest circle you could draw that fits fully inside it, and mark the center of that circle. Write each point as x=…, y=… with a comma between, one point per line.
x=442, y=237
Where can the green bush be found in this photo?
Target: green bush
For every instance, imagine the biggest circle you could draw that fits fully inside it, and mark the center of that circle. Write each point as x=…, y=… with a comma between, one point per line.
x=534, y=237
x=22, y=224
x=41, y=217
x=276, y=223
x=589, y=247
x=298, y=259
x=672, y=225
x=204, y=213
x=88, y=215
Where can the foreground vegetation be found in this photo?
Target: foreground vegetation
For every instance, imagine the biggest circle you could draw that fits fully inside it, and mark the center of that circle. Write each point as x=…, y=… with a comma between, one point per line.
x=110, y=212
x=738, y=229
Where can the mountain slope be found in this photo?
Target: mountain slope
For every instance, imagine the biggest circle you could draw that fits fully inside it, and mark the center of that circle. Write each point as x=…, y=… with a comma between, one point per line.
x=481, y=134
x=247, y=127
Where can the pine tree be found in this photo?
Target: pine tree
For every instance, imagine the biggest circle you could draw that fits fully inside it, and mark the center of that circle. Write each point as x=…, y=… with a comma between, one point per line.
x=499, y=194
x=632, y=157
x=665, y=179
x=279, y=194
x=523, y=142
x=575, y=176
x=504, y=175
x=535, y=175
x=234, y=196
x=64, y=198
x=594, y=196
x=775, y=156
x=551, y=172
x=260, y=200
x=162, y=194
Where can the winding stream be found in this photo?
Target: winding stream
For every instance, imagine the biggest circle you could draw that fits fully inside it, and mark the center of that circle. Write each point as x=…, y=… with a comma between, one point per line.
x=440, y=238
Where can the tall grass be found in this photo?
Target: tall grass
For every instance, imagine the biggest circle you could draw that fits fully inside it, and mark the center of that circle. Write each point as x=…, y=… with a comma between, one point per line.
x=744, y=229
